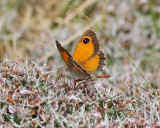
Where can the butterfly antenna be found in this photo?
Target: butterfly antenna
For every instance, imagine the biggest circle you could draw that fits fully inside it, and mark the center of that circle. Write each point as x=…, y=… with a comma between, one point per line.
x=98, y=76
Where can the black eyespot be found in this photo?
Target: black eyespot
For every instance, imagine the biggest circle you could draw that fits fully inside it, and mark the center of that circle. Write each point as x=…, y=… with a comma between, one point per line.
x=86, y=40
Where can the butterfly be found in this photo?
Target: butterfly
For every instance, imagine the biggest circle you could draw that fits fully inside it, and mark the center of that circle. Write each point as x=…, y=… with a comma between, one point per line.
x=87, y=59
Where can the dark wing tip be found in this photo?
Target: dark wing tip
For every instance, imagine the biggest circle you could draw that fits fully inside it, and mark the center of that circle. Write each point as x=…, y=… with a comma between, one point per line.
x=57, y=43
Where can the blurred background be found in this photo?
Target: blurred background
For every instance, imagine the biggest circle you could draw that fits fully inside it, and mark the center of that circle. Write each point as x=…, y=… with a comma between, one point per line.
x=29, y=28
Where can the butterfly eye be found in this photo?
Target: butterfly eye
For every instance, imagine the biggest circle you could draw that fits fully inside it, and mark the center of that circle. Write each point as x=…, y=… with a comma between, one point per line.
x=85, y=40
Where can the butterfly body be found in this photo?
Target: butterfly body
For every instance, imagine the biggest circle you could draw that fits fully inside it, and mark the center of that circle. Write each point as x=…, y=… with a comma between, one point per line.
x=87, y=59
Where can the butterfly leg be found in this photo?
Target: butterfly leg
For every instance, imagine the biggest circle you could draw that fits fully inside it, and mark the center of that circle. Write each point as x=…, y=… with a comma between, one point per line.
x=84, y=82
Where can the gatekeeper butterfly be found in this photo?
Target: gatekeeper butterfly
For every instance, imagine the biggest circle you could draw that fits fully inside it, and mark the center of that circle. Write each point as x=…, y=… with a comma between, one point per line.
x=87, y=59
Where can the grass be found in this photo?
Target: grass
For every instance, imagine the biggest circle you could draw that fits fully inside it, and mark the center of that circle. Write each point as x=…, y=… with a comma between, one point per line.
x=154, y=18
x=36, y=93
x=9, y=7
x=30, y=97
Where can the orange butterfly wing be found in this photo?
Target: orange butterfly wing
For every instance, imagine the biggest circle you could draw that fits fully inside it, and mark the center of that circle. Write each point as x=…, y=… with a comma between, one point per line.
x=65, y=55
x=95, y=63
x=87, y=59
x=87, y=53
x=87, y=47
